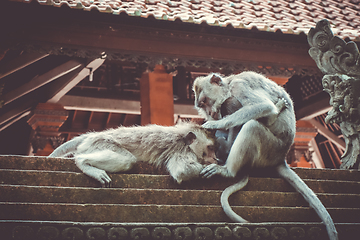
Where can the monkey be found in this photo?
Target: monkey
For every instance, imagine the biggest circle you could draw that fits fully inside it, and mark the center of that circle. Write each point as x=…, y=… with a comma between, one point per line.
x=262, y=135
x=183, y=149
x=225, y=139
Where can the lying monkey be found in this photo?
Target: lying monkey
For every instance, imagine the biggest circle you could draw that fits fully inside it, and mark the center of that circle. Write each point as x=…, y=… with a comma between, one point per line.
x=183, y=149
x=259, y=134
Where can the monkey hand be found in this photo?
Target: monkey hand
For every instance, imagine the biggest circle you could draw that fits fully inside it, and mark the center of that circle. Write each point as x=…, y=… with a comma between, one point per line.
x=101, y=176
x=210, y=170
x=217, y=124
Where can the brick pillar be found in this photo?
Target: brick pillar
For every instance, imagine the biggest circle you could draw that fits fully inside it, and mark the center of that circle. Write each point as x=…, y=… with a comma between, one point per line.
x=299, y=154
x=157, y=101
x=45, y=120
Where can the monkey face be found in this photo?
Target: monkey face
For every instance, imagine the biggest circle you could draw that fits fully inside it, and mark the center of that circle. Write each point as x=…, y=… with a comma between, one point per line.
x=210, y=92
x=203, y=145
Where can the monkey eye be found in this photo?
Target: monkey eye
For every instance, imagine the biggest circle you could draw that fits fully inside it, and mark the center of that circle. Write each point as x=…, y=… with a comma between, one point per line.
x=204, y=154
x=211, y=148
x=202, y=103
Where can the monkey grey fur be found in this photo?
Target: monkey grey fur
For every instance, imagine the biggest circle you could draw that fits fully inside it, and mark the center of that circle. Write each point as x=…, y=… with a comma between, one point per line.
x=183, y=149
x=248, y=100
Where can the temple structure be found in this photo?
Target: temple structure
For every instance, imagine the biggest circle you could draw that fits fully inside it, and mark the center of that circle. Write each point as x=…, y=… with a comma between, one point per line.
x=72, y=66
x=90, y=58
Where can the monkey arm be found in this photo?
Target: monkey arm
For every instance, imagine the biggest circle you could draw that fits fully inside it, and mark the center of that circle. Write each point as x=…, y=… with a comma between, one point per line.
x=252, y=111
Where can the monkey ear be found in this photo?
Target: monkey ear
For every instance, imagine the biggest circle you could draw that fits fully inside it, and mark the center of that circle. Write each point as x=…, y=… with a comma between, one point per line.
x=190, y=137
x=215, y=79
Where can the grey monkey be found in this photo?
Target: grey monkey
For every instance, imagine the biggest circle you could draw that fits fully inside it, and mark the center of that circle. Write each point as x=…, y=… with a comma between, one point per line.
x=260, y=132
x=183, y=149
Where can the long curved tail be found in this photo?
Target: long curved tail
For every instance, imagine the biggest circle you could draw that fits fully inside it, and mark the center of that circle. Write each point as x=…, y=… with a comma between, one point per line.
x=290, y=176
x=66, y=148
x=225, y=200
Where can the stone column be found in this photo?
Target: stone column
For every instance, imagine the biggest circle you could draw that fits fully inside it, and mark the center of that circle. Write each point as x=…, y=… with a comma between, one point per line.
x=45, y=120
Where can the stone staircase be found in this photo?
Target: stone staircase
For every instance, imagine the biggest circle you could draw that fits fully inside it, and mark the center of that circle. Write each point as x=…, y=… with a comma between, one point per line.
x=44, y=198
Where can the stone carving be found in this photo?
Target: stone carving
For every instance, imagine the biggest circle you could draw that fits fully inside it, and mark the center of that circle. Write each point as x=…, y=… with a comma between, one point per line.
x=182, y=233
x=261, y=233
x=117, y=233
x=161, y=233
x=203, y=233
x=48, y=232
x=72, y=233
x=297, y=233
x=139, y=233
x=241, y=232
x=339, y=61
x=96, y=233
x=111, y=231
x=279, y=233
x=223, y=233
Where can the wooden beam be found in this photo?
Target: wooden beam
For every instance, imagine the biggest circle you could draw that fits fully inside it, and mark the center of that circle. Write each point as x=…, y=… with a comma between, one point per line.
x=156, y=97
x=39, y=81
x=314, y=109
x=59, y=90
x=20, y=62
x=100, y=104
x=316, y=156
x=15, y=119
x=24, y=107
x=328, y=134
x=279, y=80
x=122, y=38
x=117, y=106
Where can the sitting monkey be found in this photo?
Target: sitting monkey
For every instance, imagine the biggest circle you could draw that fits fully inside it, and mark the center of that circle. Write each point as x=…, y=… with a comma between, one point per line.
x=259, y=134
x=183, y=149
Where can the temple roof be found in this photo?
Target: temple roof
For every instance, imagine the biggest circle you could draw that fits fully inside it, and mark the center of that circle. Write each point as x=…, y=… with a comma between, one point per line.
x=292, y=17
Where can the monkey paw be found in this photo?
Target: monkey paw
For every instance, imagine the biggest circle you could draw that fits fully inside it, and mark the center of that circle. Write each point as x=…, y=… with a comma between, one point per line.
x=210, y=170
x=102, y=177
x=211, y=125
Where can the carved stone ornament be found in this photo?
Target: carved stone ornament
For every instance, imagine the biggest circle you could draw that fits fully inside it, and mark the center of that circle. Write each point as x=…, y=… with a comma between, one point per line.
x=18, y=229
x=339, y=61
x=332, y=54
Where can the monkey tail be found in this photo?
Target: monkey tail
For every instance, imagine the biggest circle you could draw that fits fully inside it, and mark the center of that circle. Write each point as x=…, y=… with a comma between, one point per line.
x=225, y=199
x=294, y=180
x=66, y=148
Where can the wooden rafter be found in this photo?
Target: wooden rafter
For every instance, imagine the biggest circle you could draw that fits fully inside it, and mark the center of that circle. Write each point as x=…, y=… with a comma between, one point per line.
x=117, y=106
x=72, y=80
x=314, y=109
x=39, y=81
x=15, y=112
x=20, y=62
x=15, y=119
x=328, y=134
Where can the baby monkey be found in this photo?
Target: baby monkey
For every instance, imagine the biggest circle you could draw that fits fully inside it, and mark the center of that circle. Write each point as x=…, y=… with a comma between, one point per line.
x=183, y=149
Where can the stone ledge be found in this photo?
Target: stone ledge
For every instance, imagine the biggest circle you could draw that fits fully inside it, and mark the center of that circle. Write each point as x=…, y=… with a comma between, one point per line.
x=58, y=164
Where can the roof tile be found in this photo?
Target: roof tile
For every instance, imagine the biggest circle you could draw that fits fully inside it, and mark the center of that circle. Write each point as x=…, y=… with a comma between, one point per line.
x=287, y=16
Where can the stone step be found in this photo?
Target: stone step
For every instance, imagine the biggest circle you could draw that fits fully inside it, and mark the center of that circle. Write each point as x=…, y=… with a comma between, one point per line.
x=34, y=230
x=164, y=213
x=144, y=181
x=80, y=195
x=58, y=164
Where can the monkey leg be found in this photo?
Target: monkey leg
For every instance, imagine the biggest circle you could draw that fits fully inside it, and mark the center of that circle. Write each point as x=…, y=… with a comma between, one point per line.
x=96, y=164
x=254, y=145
